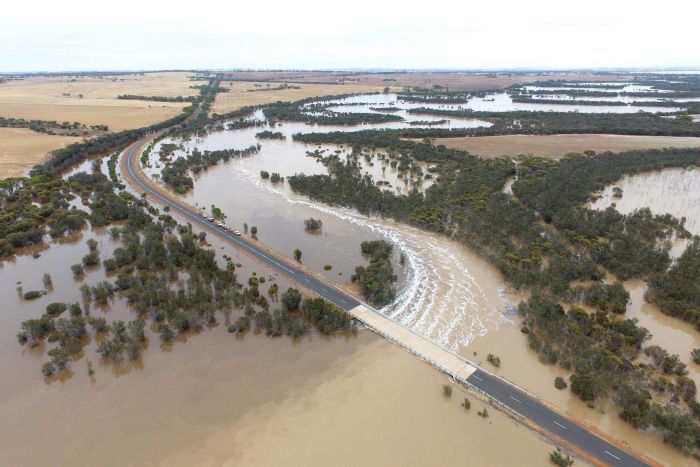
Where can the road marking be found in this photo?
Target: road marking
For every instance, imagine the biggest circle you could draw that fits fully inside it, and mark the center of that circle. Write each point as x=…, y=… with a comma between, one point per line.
x=516, y=400
x=560, y=424
x=611, y=454
x=477, y=377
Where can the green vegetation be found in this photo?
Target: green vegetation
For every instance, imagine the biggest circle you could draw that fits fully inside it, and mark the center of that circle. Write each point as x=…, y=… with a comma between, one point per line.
x=313, y=225
x=376, y=279
x=51, y=127
x=447, y=390
x=145, y=270
x=677, y=290
x=175, y=173
x=559, y=383
x=550, y=123
x=158, y=98
x=493, y=360
x=297, y=254
x=466, y=403
x=544, y=238
x=317, y=114
x=557, y=458
x=267, y=134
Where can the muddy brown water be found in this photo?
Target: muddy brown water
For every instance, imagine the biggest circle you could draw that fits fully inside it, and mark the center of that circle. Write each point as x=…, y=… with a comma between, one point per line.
x=217, y=399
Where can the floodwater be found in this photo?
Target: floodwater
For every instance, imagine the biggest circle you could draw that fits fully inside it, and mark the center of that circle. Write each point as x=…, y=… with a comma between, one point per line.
x=497, y=102
x=674, y=191
x=213, y=398
x=520, y=365
x=445, y=292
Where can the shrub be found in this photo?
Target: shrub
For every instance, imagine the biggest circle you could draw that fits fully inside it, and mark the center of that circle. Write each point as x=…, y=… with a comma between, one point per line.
x=327, y=267
x=559, y=383
x=493, y=360
x=559, y=459
x=55, y=309
x=32, y=294
x=297, y=254
x=313, y=225
x=695, y=353
x=466, y=404
x=446, y=390
x=77, y=270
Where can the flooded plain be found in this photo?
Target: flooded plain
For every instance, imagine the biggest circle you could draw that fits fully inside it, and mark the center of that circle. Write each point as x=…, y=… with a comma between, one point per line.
x=215, y=399
x=674, y=191
x=445, y=292
x=497, y=102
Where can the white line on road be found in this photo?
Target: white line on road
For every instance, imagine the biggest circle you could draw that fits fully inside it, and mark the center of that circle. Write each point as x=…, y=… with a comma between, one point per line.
x=560, y=424
x=477, y=377
x=611, y=454
x=516, y=400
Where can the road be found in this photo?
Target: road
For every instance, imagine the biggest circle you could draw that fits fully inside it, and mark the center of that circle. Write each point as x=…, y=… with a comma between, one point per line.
x=513, y=398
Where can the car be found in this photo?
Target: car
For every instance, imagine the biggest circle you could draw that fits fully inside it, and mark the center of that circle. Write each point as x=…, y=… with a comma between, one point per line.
x=236, y=232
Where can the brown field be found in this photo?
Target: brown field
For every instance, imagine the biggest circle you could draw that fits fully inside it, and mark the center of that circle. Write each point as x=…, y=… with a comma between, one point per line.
x=21, y=148
x=556, y=146
x=238, y=97
x=58, y=98
x=453, y=80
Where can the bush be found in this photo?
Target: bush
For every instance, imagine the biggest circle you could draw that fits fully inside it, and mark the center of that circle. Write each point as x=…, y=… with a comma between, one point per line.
x=55, y=309
x=32, y=294
x=493, y=360
x=695, y=353
x=297, y=254
x=92, y=259
x=77, y=270
x=327, y=267
x=313, y=225
x=264, y=174
x=466, y=404
x=446, y=390
x=559, y=459
x=559, y=383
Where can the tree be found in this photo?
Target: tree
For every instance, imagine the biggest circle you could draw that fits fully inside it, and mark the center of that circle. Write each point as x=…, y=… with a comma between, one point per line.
x=291, y=299
x=297, y=254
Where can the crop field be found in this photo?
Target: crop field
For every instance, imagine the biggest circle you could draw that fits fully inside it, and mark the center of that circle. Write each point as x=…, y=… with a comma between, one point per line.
x=93, y=100
x=241, y=94
x=462, y=81
x=21, y=148
x=556, y=146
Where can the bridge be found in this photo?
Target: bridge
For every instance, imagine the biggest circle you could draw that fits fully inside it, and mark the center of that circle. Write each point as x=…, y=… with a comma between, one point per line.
x=524, y=406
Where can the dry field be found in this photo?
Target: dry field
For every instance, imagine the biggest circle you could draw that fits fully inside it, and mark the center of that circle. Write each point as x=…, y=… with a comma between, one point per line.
x=59, y=98
x=238, y=95
x=556, y=146
x=21, y=148
x=453, y=80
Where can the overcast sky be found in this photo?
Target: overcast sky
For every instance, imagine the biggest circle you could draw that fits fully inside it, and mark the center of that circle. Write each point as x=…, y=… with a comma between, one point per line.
x=154, y=34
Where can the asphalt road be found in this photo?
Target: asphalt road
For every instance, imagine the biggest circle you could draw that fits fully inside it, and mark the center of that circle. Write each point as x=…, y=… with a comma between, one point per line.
x=330, y=293
x=518, y=401
x=532, y=409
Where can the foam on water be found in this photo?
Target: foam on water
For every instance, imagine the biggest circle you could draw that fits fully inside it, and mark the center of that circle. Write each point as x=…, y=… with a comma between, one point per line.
x=441, y=299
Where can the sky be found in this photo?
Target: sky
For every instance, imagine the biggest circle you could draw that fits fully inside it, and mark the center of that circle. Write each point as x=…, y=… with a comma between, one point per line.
x=70, y=35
